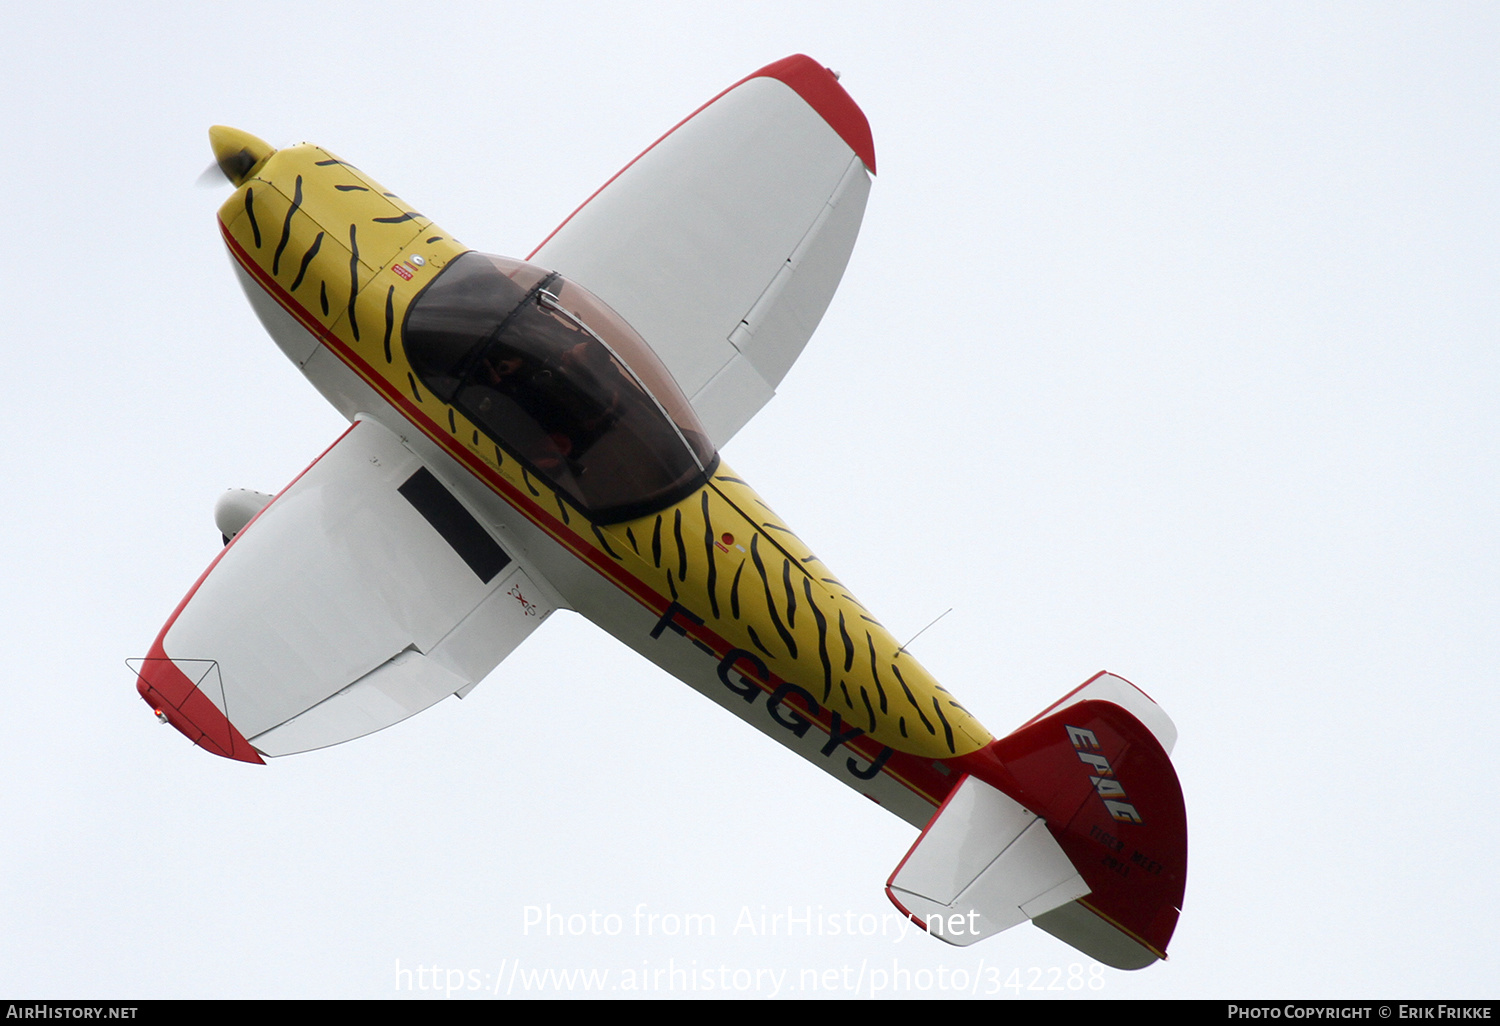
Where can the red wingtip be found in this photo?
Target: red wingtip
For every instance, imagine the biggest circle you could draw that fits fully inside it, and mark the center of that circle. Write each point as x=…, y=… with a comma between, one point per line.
x=170, y=694
x=820, y=88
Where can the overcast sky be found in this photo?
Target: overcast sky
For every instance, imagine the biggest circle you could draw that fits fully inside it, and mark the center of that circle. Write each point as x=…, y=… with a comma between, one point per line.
x=1169, y=347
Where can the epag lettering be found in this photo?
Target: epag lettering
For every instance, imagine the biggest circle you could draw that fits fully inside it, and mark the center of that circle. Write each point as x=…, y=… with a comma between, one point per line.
x=1110, y=791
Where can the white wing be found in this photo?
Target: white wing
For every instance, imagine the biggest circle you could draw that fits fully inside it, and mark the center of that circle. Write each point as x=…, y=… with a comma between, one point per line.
x=364, y=593
x=723, y=243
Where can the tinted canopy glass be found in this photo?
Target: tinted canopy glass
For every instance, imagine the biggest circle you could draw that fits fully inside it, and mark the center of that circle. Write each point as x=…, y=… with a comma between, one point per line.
x=560, y=381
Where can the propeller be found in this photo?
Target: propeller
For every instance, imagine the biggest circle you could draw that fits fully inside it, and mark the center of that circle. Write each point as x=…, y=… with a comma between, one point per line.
x=211, y=178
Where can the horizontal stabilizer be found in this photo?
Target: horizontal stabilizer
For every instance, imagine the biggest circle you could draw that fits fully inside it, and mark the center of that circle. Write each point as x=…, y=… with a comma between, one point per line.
x=983, y=865
x=1106, y=687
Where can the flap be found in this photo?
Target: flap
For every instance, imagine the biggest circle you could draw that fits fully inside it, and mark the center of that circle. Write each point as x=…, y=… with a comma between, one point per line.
x=362, y=594
x=723, y=243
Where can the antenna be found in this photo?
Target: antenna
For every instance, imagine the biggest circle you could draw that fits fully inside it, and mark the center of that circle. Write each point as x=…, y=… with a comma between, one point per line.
x=923, y=631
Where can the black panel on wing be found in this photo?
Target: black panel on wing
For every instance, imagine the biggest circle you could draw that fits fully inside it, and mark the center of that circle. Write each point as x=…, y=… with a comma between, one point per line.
x=457, y=526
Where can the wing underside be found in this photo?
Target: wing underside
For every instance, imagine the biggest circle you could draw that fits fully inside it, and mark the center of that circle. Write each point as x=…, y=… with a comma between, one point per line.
x=364, y=593
x=723, y=243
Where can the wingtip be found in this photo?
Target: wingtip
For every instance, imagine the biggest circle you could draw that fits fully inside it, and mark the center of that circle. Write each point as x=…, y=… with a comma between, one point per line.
x=819, y=86
x=175, y=699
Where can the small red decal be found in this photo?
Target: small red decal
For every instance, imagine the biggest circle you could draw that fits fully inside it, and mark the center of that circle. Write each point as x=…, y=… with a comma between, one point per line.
x=529, y=607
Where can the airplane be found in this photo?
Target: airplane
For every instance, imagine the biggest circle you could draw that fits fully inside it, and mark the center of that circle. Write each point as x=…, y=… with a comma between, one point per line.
x=542, y=434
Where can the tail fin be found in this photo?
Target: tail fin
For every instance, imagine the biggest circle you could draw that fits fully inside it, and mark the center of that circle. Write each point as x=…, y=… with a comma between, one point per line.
x=1075, y=821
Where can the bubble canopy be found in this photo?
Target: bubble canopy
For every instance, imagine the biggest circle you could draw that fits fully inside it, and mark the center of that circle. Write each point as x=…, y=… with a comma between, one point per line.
x=560, y=381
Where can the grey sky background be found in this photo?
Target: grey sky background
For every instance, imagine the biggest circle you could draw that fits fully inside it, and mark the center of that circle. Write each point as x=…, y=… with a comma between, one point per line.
x=1168, y=348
